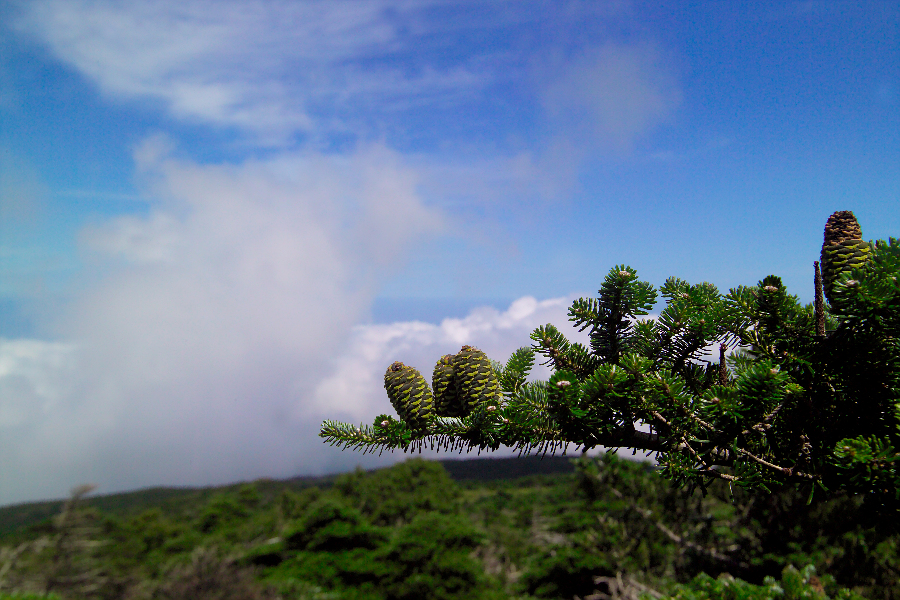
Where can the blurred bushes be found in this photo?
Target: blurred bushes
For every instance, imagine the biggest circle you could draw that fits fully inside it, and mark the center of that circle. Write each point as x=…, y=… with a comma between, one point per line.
x=793, y=585
x=611, y=529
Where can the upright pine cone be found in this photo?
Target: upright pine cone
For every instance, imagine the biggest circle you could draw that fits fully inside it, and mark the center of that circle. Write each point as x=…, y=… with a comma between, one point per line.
x=447, y=400
x=476, y=378
x=842, y=250
x=409, y=394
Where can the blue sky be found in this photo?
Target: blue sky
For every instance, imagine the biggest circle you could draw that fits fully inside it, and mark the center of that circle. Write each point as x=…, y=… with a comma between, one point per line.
x=220, y=221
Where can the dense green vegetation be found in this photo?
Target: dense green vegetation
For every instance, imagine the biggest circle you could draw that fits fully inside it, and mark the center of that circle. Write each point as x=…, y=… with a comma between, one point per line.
x=607, y=528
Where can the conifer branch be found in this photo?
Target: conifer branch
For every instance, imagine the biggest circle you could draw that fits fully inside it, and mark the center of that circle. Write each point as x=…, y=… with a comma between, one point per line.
x=787, y=381
x=709, y=552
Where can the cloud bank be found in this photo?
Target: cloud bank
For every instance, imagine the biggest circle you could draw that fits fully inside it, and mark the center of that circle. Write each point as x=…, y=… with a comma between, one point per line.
x=221, y=328
x=209, y=321
x=76, y=413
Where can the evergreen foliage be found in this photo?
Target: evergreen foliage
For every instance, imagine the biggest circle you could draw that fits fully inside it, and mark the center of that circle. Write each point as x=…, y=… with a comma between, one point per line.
x=806, y=400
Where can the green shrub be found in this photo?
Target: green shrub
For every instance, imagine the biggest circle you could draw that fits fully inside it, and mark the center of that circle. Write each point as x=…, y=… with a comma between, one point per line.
x=563, y=572
x=794, y=585
x=431, y=558
x=329, y=525
x=268, y=554
x=358, y=569
x=401, y=491
x=222, y=511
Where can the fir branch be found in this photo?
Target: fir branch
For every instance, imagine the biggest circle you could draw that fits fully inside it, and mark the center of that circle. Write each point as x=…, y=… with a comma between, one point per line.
x=709, y=552
x=790, y=472
x=827, y=389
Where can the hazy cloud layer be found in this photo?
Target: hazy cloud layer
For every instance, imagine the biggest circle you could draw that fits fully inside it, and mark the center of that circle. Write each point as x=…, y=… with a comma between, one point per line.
x=209, y=321
x=611, y=96
x=23, y=208
x=81, y=413
x=219, y=330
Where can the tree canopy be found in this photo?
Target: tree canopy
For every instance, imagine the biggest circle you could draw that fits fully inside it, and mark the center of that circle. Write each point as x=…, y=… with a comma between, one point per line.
x=750, y=387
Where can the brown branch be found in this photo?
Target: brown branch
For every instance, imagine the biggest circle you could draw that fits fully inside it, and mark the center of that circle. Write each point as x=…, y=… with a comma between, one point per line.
x=640, y=440
x=621, y=590
x=660, y=418
x=723, y=369
x=680, y=540
x=765, y=424
x=693, y=452
x=632, y=438
x=820, y=301
x=785, y=470
x=700, y=421
x=718, y=475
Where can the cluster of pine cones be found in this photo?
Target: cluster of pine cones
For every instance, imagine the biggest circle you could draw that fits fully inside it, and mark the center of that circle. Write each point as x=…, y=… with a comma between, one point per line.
x=463, y=383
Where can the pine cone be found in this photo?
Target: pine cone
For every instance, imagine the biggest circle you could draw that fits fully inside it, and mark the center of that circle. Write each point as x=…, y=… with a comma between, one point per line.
x=409, y=394
x=476, y=378
x=447, y=400
x=843, y=248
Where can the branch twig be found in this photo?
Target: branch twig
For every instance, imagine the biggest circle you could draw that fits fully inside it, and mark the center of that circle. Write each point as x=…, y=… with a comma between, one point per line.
x=785, y=470
x=680, y=540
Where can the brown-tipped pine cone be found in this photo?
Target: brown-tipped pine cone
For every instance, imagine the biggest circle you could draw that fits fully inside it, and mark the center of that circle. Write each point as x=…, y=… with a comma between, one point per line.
x=409, y=394
x=447, y=400
x=476, y=380
x=842, y=250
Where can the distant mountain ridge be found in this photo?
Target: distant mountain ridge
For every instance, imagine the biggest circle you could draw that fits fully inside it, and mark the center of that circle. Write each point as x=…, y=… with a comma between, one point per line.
x=18, y=516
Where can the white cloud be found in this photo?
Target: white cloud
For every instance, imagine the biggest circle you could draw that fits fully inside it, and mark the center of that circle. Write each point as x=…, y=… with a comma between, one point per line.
x=355, y=389
x=33, y=378
x=279, y=68
x=611, y=96
x=263, y=66
x=207, y=325
x=130, y=415
x=219, y=329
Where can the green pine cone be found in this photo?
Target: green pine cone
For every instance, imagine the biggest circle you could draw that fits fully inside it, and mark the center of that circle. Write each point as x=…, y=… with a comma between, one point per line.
x=476, y=379
x=409, y=394
x=842, y=250
x=841, y=258
x=447, y=400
